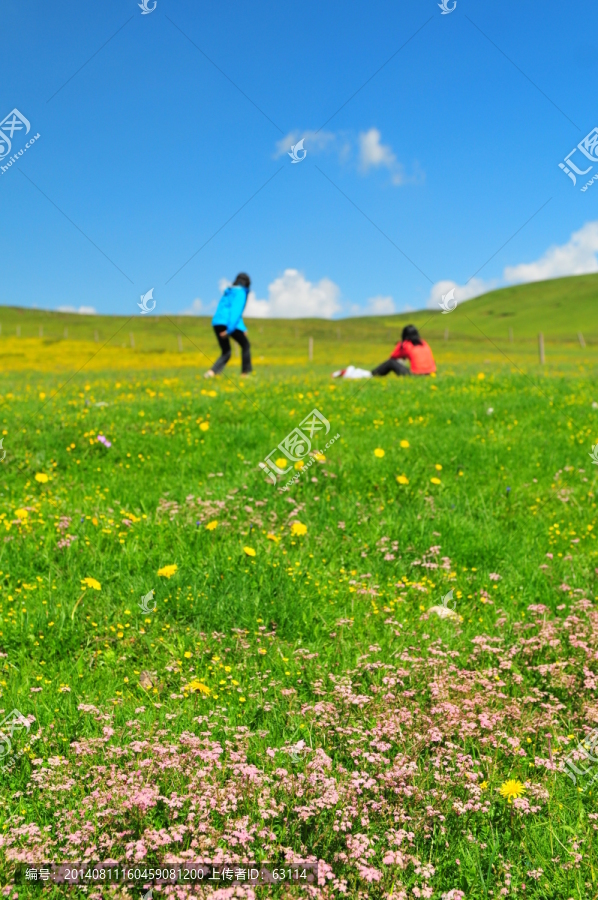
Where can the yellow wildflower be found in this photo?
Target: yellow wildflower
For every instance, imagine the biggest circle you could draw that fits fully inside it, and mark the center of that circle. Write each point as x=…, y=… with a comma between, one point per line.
x=282, y=463
x=21, y=513
x=435, y=480
x=249, y=551
x=404, y=444
x=187, y=654
x=299, y=464
x=481, y=376
x=298, y=528
x=168, y=571
x=204, y=426
x=402, y=479
x=212, y=525
x=438, y=467
x=92, y=583
x=379, y=452
x=272, y=537
x=41, y=477
x=512, y=788
x=196, y=685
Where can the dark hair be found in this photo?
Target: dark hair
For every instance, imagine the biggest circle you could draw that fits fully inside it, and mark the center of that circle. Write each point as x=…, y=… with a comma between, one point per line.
x=410, y=333
x=243, y=280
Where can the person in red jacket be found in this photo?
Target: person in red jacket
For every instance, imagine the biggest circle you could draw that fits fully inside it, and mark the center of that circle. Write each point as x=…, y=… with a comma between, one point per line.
x=413, y=348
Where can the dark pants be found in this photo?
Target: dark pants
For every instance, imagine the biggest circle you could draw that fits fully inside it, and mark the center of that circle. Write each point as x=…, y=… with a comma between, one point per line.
x=391, y=365
x=241, y=338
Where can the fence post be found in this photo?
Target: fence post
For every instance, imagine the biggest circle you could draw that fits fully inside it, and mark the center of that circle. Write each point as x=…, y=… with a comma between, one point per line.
x=581, y=340
x=180, y=339
x=541, y=347
x=132, y=339
x=310, y=349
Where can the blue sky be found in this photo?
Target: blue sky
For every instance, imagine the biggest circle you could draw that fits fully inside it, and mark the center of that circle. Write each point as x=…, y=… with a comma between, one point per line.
x=152, y=152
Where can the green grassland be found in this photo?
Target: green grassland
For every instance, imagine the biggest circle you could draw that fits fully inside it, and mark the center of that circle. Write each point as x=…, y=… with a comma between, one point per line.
x=292, y=695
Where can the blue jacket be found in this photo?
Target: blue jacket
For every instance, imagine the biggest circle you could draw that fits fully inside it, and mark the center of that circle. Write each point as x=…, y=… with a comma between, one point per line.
x=230, y=309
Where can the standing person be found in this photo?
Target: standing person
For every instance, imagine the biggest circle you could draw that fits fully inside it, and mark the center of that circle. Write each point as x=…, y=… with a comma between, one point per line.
x=410, y=347
x=228, y=322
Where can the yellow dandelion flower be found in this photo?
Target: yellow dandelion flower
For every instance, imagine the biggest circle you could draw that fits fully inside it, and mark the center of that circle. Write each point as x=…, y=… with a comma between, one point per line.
x=404, y=444
x=21, y=513
x=512, y=788
x=282, y=463
x=204, y=426
x=435, y=480
x=299, y=464
x=41, y=477
x=168, y=571
x=262, y=651
x=92, y=583
x=438, y=467
x=298, y=528
x=242, y=700
x=212, y=525
x=272, y=537
x=484, y=786
x=379, y=452
x=187, y=654
x=402, y=479
x=481, y=376
x=196, y=685
x=249, y=551
x=320, y=457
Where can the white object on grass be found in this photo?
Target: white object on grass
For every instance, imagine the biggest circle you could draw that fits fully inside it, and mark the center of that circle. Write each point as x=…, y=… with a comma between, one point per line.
x=352, y=372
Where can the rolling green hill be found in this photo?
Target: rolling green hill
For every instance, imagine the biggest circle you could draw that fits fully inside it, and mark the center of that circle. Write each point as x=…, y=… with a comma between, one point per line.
x=502, y=325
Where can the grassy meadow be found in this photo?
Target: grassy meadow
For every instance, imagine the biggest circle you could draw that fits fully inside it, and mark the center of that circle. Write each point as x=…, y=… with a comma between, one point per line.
x=288, y=693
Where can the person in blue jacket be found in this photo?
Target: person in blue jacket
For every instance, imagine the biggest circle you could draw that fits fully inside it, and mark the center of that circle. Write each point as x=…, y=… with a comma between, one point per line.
x=228, y=322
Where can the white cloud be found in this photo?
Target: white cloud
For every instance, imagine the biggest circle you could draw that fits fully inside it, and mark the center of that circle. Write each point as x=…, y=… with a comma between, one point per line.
x=576, y=257
x=196, y=309
x=473, y=288
x=82, y=311
x=375, y=155
x=375, y=306
x=364, y=151
x=293, y=297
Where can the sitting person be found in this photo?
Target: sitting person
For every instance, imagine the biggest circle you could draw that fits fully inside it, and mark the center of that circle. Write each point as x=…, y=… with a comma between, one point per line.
x=413, y=348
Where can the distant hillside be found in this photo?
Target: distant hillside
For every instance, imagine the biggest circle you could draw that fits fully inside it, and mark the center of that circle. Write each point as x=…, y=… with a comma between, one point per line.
x=560, y=309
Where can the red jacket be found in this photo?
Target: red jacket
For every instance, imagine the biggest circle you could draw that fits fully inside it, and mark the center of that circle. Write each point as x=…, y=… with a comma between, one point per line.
x=419, y=355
